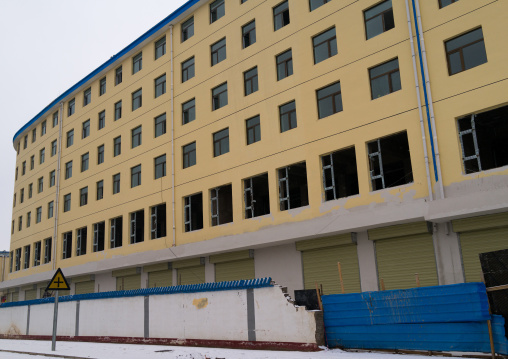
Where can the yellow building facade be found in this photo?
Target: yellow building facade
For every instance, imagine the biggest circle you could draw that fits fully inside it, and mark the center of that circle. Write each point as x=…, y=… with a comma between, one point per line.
x=242, y=139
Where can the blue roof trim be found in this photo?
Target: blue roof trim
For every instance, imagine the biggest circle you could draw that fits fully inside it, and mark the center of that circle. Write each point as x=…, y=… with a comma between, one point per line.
x=111, y=61
x=193, y=288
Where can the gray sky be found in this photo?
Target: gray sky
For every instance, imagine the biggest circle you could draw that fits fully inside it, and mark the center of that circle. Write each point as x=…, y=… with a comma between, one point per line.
x=46, y=46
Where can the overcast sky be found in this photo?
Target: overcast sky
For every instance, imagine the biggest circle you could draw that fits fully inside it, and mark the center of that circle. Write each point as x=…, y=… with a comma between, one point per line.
x=46, y=46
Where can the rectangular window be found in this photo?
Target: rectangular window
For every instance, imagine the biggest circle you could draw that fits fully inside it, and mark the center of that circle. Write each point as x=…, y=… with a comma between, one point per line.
x=67, y=202
x=18, y=259
x=443, y=3
x=43, y=128
x=340, y=176
x=118, y=75
x=102, y=120
x=284, y=65
x=193, y=212
x=287, y=114
x=217, y=10
x=116, y=183
x=11, y=257
x=188, y=29
x=249, y=34
x=71, y=107
x=87, y=96
x=221, y=142
x=160, y=125
x=42, y=156
x=158, y=221
x=34, y=135
x=221, y=205
x=218, y=51
x=70, y=138
x=189, y=155
x=50, y=209
x=67, y=245
x=329, y=100
x=26, y=263
x=314, y=4
x=28, y=219
x=21, y=195
x=137, y=63
x=118, y=110
x=100, y=154
x=136, y=137
x=30, y=190
x=160, y=85
x=160, y=166
x=250, y=79
x=20, y=223
x=81, y=235
x=256, y=196
x=32, y=162
x=52, y=178
x=281, y=15
x=102, y=86
x=40, y=185
x=483, y=137
x=85, y=159
x=385, y=79
x=47, y=250
x=253, y=128
x=390, y=161
x=137, y=99
x=136, y=176
x=188, y=69
x=98, y=236
x=100, y=190
x=53, y=148
x=379, y=19
x=55, y=119
x=160, y=47
x=325, y=45
x=137, y=232
x=293, y=191
x=23, y=168
x=37, y=253
x=83, y=196
x=68, y=170
x=220, y=96
x=38, y=217
x=25, y=142
x=189, y=111
x=85, y=132
x=465, y=51
x=117, y=146
x=116, y=232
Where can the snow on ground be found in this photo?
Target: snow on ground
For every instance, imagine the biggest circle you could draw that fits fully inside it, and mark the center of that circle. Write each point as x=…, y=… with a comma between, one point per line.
x=130, y=351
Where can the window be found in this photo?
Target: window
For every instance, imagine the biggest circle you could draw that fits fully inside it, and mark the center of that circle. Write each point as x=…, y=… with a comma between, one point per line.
x=84, y=162
x=23, y=168
x=16, y=176
x=160, y=125
x=253, y=128
x=314, y=4
x=281, y=15
x=42, y=156
x=50, y=209
x=188, y=29
x=256, y=196
x=67, y=202
x=47, y=250
x=55, y=119
x=385, y=79
x=218, y=51
x=14, y=201
x=221, y=142
x=193, y=212
x=102, y=86
x=117, y=146
x=379, y=19
x=38, y=216
x=83, y=196
x=98, y=236
x=189, y=155
x=293, y=191
x=443, y=3
x=18, y=259
x=68, y=170
x=137, y=232
x=118, y=110
x=465, y=51
x=217, y=10
x=52, y=178
x=87, y=96
x=102, y=120
x=25, y=142
x=40, y=185
x=250, y=78
x=284, y=65
x=71, y=107
x=221, y=205
x=53, y=148
x=249, y=34
x=116, y=183
x=100, y=154
x=20, y=223
x=26, y=263
x=34, y=135
x=116, y=232
x=43, y=128
x=137, y=63
x=287, y=115
x=220, y=96
x=81, y=241
x=136, y=176
x=390, y=161
x=483, y=137
x=340, y=176
x=188, y=69
x=32, y=162
x=329, y=100
x=160, y=166
x=100, y=190
x=85, y=132
x=21, y=195
x=160, y=85
x=189, y=111
x=118, y=75
x=158, y=221
x=67, y=245
x=325, y=45
x=136, y=99
x=160, y=47
x=28, y=219
x=70, y=138
x=30, y=186
x=136, y=137
x=18, y=146
x=37, y=253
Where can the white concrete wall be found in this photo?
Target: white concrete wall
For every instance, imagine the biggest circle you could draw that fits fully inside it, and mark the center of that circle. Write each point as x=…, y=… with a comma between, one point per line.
x=13, y=320
x=41, y=319
x=367, y=262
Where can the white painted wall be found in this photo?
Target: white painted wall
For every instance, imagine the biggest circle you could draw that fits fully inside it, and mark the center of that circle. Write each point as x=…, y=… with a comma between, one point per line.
x=41, y=319
x=209, y=271
x=13, y=320
x=367, y=262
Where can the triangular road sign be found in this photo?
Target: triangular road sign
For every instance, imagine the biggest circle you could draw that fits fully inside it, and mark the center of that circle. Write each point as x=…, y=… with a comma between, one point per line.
x=58, y=282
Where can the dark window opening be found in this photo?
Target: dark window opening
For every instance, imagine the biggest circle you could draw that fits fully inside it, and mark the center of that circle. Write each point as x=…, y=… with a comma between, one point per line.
x=385, y=79
x=47, y=250
x=284, y=65
x=189, y=111
x=314, y=4
x=221, y=205
x=249, y=34
x=281, y=15
x=253, y=129
x=193, y=212
x=67, y=245
x=465, y=51
x=340, y=176
x=218, y=51
x=26, y=263
x=287, y=115
x=188, y=69
x=256, y=196
x=293, y=192
x=116, y=232
x=250, y=81
x=325, y=45
x=81, y=241
x=188, y=29
x=217, y=10
x=379, y=19
x=37, y=253
x=137, y=226
x=158, y=221
x=220, y=96
x=98, y=236
x=443, y=3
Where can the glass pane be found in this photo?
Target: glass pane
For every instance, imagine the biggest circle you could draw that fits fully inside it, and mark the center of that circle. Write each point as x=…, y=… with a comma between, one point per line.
x=474, y=55
x=468, y=145
x=320, y=52
x=378, y=9
x=380, y=87
x=284, y=123
x=338, y=102
x=384, y=68
x=326, y=107
x=464, y=39
x=455, y=64
x=395, y=76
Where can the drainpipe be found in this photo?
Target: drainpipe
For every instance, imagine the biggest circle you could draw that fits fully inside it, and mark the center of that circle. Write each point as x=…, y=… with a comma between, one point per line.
x=172, y=137
x=428, y=96
x=422, y=127
x=57, y=196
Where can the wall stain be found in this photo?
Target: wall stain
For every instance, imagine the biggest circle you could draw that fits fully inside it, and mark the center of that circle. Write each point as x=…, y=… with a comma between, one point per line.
x=200, y=303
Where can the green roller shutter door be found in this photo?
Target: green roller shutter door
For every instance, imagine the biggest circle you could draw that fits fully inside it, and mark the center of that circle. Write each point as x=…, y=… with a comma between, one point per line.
x=191, y=275
x=85, y=287
x=128, y=282
x=162, y=278
x=320, y=266
x=235, y=270
x=475, y=242
x=31, y=294
x=398, y=259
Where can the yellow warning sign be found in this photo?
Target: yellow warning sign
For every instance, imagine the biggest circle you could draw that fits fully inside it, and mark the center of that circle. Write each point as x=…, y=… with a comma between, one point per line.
x=58, y=282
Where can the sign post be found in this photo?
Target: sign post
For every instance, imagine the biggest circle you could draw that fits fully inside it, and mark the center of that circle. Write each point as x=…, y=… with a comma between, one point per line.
x=58, y=282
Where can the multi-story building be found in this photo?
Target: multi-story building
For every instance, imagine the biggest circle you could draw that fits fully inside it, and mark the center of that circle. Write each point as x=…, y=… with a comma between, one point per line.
x=247, y=138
